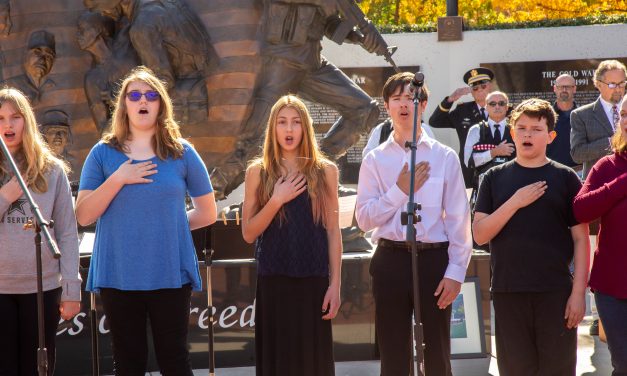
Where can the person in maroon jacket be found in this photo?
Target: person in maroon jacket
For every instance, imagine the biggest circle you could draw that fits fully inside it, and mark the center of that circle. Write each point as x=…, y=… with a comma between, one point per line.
x=604, y=195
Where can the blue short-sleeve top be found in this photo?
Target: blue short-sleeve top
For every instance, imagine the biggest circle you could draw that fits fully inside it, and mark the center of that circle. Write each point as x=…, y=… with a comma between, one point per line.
x=143, y=239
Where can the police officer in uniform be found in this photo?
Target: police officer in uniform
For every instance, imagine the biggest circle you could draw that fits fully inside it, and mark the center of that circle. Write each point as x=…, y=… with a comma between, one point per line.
x=479, y=81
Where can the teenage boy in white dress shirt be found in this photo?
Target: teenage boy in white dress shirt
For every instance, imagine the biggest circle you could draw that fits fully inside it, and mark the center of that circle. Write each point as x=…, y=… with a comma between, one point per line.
x=444, y=247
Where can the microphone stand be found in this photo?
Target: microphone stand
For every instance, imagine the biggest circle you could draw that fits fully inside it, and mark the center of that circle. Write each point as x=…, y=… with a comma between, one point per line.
x=93, y=317
x=210, y=337
x=409, y=218
x=41, y=226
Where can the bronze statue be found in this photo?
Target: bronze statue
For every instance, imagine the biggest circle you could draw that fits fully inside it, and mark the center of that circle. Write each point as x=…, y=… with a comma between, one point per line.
x=5, y=17
x=55, y=127
x=112, y=60
x=173, y=42
x=167, y=36
x=38, y=61
x=264, y=53
x=292, y=32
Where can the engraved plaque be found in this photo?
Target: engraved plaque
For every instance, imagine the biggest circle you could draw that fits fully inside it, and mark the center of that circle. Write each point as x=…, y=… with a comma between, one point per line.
x=450, y=28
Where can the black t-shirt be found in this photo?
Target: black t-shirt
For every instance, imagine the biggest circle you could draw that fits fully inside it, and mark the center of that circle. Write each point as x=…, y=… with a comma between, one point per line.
x=533, y=251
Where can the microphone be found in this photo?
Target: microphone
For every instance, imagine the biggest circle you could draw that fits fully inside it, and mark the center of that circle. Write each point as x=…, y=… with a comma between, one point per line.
x=417, y=81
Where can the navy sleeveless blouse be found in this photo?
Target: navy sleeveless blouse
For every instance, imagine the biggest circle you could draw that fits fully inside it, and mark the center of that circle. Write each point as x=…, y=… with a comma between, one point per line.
x=295, y=246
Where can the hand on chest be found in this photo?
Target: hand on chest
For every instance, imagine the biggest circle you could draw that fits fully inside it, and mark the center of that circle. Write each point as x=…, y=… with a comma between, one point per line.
x=428, y=179
x=167, y=182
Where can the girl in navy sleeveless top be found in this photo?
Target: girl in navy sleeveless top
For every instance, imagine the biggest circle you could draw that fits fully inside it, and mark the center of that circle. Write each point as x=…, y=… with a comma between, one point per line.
x=291, y=210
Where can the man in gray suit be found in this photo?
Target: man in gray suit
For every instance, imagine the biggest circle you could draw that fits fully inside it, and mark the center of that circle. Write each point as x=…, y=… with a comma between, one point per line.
x=593, y=125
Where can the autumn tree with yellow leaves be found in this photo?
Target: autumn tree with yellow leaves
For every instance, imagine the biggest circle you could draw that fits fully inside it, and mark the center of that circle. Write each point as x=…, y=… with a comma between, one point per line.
x=488, y=12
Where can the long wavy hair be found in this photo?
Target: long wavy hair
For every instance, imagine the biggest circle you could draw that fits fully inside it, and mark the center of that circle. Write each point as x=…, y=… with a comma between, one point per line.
x=166, y=140
x=34, y=158
x=311, y=161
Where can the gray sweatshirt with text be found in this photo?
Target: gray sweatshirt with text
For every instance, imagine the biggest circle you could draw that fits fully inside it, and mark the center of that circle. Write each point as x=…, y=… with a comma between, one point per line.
x=18, y=273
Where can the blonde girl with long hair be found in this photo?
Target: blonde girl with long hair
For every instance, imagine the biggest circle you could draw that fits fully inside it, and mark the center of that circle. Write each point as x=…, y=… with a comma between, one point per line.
x=291, y=210
x=144, y=265
x=46, y=178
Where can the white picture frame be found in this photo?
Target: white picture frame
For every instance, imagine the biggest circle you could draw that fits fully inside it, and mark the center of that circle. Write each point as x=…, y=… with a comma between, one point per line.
x=467, y=331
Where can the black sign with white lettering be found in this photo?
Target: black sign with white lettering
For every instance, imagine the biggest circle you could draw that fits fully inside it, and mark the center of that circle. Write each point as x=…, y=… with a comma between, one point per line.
x=535, y=79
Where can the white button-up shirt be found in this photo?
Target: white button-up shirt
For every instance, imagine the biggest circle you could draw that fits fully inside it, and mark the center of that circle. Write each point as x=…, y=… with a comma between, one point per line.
x=445, y=212
x=375, y=135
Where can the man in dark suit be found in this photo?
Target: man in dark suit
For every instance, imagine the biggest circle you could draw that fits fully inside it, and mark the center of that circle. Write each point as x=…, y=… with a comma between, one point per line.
x=594, y=124
x=466, y=114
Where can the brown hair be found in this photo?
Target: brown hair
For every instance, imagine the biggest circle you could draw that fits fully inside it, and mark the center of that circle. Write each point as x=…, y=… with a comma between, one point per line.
x=34, y=158
x=401, y=80
x=166, y=141
x=537, y=109
x=311, y=161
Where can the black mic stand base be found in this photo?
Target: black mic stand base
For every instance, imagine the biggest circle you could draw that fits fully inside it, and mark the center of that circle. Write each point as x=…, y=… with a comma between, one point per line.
x=42, y=352
x=210, y=337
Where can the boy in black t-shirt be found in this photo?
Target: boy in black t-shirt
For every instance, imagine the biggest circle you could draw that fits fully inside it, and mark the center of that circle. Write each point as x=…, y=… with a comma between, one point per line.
x=524, y=209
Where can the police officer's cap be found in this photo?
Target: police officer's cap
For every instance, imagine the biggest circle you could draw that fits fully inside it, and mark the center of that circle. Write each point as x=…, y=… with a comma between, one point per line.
x=56, y=118
x=42, y=38
x=478, y=76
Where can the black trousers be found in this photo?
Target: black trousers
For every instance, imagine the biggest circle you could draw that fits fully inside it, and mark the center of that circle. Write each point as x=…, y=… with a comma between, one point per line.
x=128, y=313
x=19, y=339
x=531, y=334
x=392, y=288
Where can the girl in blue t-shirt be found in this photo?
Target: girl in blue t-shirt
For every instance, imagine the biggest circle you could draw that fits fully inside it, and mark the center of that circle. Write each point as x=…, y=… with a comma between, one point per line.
x=144, y=265
x=291, y=210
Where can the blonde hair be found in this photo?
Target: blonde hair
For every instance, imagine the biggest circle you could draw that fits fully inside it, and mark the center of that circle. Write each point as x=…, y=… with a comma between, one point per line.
x=619, y=141
x=34, y=158
x=166, y=141
x=311, y=161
